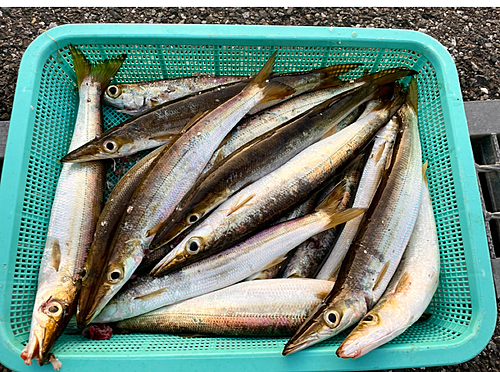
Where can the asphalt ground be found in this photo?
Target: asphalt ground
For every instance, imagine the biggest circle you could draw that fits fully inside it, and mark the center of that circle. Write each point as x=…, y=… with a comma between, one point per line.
x=471, y=36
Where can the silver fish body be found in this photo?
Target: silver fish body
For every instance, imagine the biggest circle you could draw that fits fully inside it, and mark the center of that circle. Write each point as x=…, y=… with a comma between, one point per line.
x=368, y=184
x=409, y=292
x=256, y=309
x=228, y=267
x=375, y=254
x=76, y=207
x=135, y=98
x=174, y=172
x=264, y=200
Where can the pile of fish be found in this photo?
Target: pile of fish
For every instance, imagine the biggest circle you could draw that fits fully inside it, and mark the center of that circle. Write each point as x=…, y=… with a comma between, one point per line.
x=308, y=182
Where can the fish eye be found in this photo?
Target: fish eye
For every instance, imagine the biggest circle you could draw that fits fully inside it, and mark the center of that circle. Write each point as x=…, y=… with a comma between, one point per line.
x=332, y=318
x=84, y=274
x=193, y=245
x=115, y=275
x=192, y=218
x=370, y=318
x=114, y=91
x=110, y=146
x=54, y=309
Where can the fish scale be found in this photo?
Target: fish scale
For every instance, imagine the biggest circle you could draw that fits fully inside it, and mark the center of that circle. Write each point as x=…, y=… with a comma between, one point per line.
x=172, y=174
x=261, y=202
x=375, y=254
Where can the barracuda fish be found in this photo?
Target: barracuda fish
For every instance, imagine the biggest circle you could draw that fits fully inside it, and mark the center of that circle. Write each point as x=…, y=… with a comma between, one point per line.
x=255, y=309
x=307, y=257
x=252, y=162
x=135, y=98
x=265, y=200
x=372, y=175
x=266, y=120
x=174, y=172
x=162, y=123
x=226, y=268
x=375, y=254
x=106, y=225
x=77, y=204
x=409, y=292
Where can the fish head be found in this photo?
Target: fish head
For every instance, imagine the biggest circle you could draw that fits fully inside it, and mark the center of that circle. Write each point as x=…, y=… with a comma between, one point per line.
x=186, y=251
x=197, y=210
x=52, y=312
x=384, y=322
x=109, y=146
x=326, y=321
x=124, y=97
x=116, y=274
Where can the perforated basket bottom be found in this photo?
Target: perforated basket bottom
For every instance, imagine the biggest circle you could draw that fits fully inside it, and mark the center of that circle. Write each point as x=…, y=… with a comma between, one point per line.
x=451, y=307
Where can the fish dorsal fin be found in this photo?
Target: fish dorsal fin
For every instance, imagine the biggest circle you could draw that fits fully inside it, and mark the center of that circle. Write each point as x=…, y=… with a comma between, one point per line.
x=381, y=275
x=332, y=201
x=424, y=171
x=151, y=294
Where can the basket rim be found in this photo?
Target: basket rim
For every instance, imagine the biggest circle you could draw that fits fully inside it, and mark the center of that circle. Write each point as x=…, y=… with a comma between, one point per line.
x=15, y=166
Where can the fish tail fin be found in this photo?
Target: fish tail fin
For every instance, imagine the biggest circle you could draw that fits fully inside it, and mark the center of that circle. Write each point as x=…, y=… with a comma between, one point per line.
x=331, y=206
x=102, y=72
x=386, y=76
x=412, y=94
x=330, y=75
x=340, y=217
x=272, y=90
x=265, y=72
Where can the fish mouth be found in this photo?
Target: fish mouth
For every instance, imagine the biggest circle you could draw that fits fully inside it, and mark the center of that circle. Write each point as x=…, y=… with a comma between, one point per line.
x=33, y=349
x=294, y=346
x=82, y=154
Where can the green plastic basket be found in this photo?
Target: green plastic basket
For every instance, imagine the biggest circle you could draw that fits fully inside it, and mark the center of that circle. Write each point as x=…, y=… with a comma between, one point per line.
x=463, y=308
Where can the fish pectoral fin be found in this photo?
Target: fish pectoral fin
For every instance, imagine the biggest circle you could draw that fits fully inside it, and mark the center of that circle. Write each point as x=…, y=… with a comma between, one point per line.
x=155, y=229
x=381, y=275
x=379, y=153
x=219, y=158
x=151, y=294
x=194, y=120
x=56, y=255
x=240, y=204
x=403, y=282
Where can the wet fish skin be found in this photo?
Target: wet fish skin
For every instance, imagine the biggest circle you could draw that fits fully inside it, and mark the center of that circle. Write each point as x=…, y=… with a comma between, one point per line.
x=173, y=174
x=375, y=254
x=153, y=127
x=263, y=201
x=307, y=257
x=375, y=167
x=250, y=163
x=76, y=206
x=255, y=309
x=106, y=226
x=160, y=124
x=135, y=98
x=409, y=292
x=228, y=267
